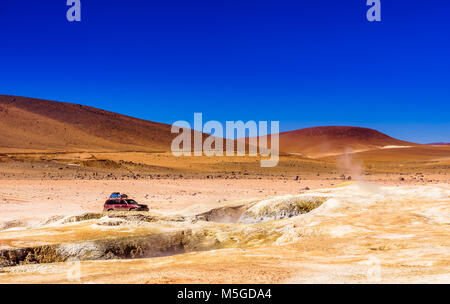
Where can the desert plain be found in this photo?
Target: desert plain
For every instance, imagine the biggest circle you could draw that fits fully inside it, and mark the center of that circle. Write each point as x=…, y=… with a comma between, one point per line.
x=344, y=205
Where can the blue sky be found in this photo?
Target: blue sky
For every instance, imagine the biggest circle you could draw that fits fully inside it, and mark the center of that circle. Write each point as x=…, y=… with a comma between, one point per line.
x=304, y=62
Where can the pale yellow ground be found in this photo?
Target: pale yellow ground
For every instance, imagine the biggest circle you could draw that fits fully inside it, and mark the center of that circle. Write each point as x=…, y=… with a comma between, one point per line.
x=37, y=200
x=364, y=233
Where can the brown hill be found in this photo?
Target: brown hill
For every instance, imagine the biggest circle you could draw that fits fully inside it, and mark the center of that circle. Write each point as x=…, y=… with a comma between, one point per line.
x=432, y=155
x=334, y=140
x=42, y=125
x=34, y=124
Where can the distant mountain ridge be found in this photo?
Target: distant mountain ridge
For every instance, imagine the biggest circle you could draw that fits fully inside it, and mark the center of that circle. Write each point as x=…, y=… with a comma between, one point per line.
x=439, y=144
x=28, y=124
x=332, y=140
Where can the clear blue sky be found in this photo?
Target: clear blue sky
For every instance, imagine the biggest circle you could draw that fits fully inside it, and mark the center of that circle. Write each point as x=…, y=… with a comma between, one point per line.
x=303, y=62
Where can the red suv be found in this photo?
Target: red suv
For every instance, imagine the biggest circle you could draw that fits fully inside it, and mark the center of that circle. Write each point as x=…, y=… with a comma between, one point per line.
x=121, y=204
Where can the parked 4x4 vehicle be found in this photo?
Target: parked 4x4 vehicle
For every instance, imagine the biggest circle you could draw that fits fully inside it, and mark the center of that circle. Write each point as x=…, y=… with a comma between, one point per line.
x=121, y=204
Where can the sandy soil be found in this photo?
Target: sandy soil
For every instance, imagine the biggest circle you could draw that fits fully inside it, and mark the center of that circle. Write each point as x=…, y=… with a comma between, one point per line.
x=33, y=201
x=344, y=204
x=385, y=219
x=363, y=233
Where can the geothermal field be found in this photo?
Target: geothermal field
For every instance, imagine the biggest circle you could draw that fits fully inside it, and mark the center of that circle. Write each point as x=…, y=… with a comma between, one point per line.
x=343, y=205
x=355, y=232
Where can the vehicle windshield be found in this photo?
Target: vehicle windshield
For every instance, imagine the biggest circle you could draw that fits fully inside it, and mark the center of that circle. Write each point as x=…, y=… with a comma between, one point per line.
x=131, y=202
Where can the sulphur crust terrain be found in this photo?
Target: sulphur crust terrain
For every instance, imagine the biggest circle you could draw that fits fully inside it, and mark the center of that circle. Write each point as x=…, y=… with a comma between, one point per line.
x=356, y=232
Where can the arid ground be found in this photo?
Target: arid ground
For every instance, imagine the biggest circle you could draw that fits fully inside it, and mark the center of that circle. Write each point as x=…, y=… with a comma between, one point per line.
x=344, y=205
x=224, y=227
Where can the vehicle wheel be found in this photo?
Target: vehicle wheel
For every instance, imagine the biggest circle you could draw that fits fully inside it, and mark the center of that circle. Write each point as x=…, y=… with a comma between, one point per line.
x=109, y=210
x=132, y=209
